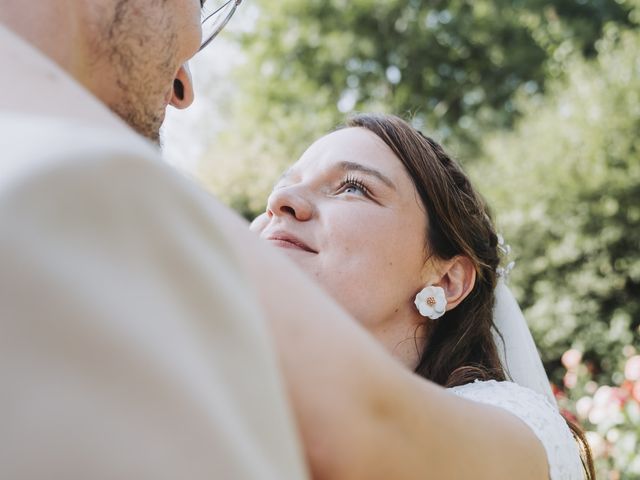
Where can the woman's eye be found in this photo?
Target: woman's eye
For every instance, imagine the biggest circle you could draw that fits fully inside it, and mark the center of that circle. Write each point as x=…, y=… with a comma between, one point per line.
x=353, y=186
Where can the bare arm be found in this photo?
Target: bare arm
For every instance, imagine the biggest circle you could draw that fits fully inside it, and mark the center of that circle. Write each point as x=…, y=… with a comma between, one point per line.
x=364, y=416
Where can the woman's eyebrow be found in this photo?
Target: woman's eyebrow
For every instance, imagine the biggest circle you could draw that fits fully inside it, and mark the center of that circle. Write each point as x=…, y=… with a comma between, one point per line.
x=350, y=166
x=347, y=166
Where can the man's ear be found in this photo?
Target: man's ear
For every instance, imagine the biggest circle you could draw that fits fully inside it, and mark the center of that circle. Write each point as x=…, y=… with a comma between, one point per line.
x=458, y=279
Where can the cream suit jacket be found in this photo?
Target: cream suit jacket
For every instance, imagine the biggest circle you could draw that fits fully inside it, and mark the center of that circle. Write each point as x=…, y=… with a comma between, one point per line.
x=132, y=345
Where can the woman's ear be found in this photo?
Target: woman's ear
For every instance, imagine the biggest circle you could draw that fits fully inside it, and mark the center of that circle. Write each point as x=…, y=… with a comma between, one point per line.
x=458, y=279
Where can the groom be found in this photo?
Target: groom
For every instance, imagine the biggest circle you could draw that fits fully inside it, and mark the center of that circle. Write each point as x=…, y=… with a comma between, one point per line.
x=131, y=342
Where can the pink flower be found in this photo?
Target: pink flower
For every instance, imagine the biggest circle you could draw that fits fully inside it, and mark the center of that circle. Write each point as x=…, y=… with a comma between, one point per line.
x=591, y=387
x=583, y=406
x=607, y=404
x=632, y=368
x=570, y=379
x=571, y=359
x=635, y=392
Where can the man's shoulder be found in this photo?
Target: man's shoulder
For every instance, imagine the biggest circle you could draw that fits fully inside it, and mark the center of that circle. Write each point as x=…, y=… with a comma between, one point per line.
x=33, y=144
x=94, y=174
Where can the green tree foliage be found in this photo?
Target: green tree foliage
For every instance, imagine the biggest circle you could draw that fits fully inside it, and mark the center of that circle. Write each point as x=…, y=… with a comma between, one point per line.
x=454, y=67
x=566, y=184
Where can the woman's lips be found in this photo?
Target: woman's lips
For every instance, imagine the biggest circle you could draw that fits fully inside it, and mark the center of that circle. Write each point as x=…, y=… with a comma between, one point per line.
x=286, y=240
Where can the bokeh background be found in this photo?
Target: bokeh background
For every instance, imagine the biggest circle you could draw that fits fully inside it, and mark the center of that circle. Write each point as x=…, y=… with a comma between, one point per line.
x=538, y=99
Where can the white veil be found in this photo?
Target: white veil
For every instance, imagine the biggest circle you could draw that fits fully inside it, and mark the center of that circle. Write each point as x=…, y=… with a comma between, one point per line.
x=517, y=350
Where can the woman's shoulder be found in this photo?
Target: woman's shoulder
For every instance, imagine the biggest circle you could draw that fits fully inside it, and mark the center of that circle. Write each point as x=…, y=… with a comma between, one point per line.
x=539, y=413
x=529, y=405
x=494, y=391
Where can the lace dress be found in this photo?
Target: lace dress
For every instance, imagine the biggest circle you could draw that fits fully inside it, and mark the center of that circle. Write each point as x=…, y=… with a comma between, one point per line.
x=539, y=414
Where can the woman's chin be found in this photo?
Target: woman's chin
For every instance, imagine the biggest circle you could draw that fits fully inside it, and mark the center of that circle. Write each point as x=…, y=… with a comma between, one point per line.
x=299, y=257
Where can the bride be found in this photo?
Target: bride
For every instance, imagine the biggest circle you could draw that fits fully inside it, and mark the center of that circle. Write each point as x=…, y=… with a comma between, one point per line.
x=391, y=227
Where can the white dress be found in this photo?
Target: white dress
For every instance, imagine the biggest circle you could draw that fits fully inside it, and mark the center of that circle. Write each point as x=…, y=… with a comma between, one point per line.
x=539, y=414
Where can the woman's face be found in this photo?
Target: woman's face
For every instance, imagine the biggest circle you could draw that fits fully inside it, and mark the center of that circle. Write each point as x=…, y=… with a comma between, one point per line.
x=348, y=213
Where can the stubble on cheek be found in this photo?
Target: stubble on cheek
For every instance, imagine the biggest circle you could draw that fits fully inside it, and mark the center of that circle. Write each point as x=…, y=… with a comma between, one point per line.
x=140, y=52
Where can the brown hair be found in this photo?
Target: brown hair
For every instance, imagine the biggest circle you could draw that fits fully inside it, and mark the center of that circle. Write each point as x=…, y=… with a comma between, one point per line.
x=459, y=347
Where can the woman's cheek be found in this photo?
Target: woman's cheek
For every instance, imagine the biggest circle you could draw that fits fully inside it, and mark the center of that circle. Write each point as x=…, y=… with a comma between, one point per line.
x=259, y=223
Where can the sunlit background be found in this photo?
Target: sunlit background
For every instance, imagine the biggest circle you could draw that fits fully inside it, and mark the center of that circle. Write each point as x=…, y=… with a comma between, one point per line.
x=539, y=99
x=188, y=134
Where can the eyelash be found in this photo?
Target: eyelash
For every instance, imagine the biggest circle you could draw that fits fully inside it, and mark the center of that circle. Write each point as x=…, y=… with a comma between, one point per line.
x=355, y=182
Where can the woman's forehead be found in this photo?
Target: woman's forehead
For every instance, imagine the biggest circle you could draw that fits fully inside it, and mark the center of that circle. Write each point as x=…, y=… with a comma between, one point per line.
x=356, y=145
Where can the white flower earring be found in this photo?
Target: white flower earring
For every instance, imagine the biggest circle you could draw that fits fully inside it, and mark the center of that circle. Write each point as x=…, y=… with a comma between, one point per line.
x=431, y=302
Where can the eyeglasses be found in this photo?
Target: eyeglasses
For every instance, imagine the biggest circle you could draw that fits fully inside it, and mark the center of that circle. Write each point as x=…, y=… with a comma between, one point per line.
x=215, y=17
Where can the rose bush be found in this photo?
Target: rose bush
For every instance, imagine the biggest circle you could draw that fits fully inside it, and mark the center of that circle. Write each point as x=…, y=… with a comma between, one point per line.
x=610, y=414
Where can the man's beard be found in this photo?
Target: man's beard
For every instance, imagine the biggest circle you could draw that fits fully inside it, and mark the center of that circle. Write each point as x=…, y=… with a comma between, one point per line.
x=146, y=122
x=141, y=55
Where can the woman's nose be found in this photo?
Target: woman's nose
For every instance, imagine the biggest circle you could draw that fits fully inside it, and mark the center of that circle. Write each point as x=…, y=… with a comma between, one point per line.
x=289, y=201
x=182, y=88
